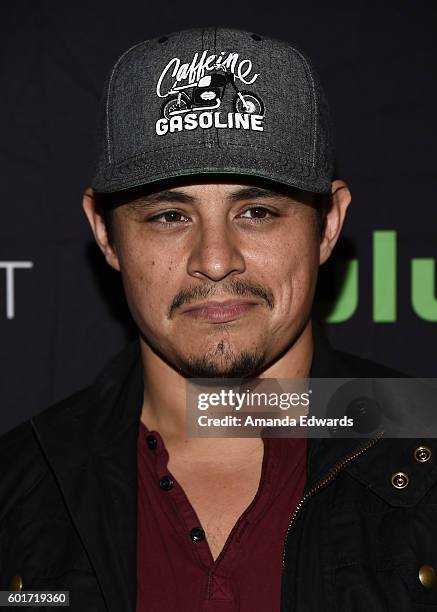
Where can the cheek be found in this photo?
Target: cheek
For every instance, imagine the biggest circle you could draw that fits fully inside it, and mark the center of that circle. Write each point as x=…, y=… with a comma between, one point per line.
x=294, y=272
x=146, y=281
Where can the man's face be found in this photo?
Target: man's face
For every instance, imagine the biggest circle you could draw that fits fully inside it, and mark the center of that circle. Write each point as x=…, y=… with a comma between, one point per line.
x=219, y=278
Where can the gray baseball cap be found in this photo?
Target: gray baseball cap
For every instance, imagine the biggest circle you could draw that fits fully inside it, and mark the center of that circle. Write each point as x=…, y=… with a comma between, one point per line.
x=214, y=100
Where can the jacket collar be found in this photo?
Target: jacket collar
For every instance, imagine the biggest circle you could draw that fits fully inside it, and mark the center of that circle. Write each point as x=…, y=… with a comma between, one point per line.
x=90, y=441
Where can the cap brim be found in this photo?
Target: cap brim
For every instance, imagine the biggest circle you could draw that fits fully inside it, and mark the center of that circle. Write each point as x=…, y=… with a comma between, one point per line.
x=267, y=165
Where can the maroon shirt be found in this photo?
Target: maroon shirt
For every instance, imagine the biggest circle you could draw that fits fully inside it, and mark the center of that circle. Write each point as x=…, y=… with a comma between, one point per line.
x=175, y=569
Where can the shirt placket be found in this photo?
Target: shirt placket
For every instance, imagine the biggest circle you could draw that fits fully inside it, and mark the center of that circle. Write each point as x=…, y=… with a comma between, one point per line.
x=219, y=588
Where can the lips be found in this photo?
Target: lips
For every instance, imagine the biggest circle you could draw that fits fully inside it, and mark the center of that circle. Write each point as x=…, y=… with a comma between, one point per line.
x=220, y=312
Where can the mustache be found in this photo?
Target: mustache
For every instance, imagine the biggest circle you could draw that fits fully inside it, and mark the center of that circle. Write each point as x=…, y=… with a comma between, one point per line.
x=231, y=287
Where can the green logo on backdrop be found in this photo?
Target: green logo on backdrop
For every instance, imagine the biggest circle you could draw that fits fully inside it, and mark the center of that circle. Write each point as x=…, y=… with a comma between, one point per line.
x=384, y=284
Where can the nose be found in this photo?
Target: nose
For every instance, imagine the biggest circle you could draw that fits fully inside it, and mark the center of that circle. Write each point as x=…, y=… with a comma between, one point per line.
x=215, y=253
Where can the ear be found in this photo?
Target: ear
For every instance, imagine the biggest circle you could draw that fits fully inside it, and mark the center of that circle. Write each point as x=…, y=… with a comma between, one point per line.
x=99, y=229
x=340, y=199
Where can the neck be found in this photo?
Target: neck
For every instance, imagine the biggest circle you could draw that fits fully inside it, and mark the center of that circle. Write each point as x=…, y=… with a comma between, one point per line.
x=165, y=392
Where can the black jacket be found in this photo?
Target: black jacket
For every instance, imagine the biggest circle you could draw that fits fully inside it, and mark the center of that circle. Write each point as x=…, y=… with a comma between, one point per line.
x=68, y=502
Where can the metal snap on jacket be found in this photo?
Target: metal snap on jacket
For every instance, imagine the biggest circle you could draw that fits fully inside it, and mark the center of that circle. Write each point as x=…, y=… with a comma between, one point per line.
x=166, y=483
x=16, y=583
x=428, y=576
x=422, y=454
x=400, y=480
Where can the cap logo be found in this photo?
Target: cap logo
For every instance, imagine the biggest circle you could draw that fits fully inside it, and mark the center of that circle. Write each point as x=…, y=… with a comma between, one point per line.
x=194, y=91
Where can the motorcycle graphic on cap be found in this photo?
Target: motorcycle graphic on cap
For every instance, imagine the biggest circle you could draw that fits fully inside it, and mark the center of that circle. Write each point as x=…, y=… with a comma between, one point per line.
x=208, y=93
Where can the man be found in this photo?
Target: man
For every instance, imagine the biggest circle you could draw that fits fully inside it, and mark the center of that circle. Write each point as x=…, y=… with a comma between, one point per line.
x=214, y=197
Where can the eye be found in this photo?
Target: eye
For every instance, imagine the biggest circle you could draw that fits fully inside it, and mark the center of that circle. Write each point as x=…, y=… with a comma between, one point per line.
x=169, y=217
x=258, y=214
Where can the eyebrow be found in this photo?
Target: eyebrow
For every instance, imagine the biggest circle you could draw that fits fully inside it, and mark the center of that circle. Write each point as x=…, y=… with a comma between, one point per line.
x=252, y=193
x=173, y=195
x=154, y=199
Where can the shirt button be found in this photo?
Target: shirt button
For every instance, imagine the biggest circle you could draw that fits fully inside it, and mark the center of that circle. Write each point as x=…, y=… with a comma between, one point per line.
x=152, y=442
x=197, y=534
x=166, y=483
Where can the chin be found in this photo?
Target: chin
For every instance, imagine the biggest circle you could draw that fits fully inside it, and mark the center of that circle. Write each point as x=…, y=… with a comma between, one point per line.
x=223, y=362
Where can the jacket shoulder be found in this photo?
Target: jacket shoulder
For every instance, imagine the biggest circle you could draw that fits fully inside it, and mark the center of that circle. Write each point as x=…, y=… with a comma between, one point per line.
x=329, y=362
x=21, y=450
x=23, y=462
x=366, y=368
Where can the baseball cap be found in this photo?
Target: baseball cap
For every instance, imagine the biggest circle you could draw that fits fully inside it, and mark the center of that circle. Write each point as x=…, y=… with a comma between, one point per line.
x=214, y=100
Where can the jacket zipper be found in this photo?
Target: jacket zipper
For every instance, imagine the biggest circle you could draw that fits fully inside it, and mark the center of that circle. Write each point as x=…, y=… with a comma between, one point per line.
x=323, y=482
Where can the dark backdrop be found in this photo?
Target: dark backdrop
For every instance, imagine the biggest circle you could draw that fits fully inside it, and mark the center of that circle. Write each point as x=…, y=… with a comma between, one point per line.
x=62, y=313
